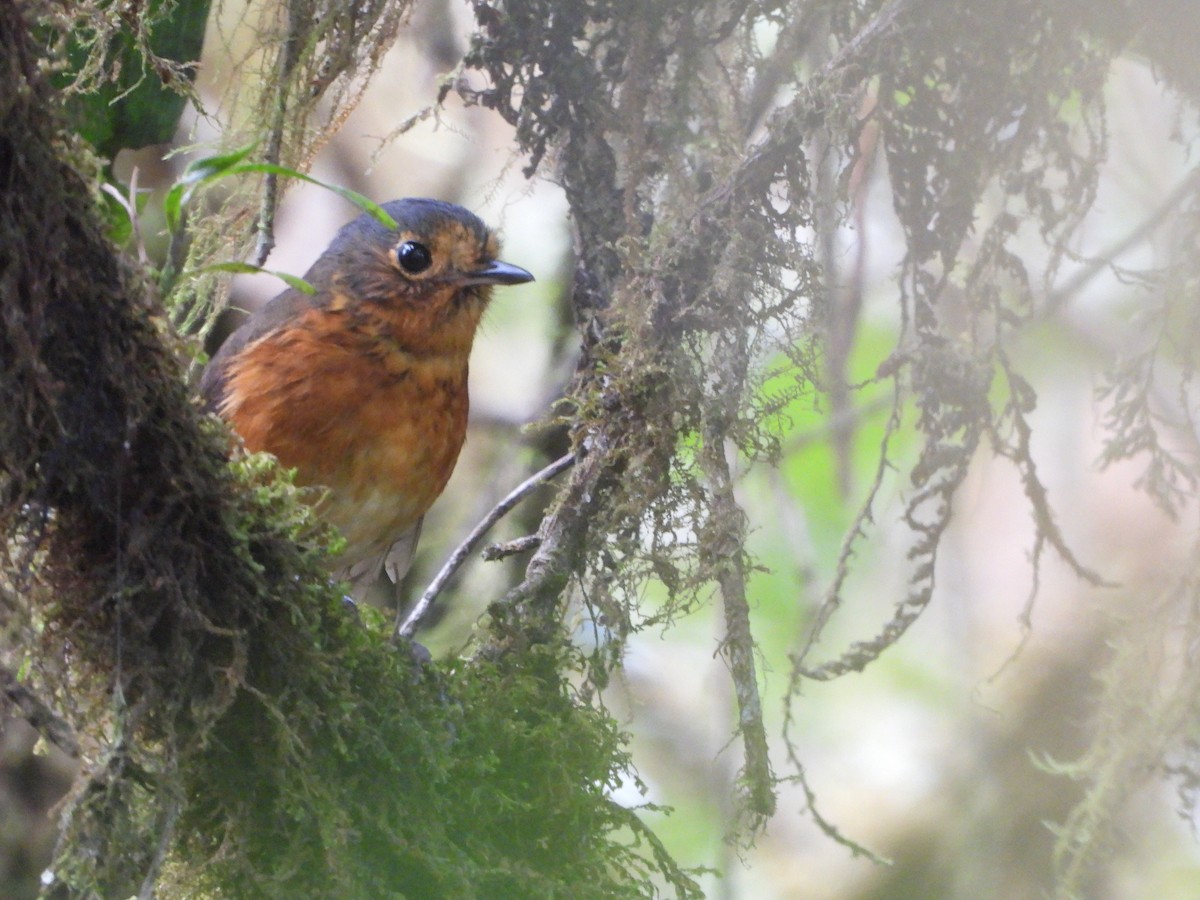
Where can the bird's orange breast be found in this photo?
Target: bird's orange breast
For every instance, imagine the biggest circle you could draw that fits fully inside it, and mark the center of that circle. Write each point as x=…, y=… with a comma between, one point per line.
x=378, y=425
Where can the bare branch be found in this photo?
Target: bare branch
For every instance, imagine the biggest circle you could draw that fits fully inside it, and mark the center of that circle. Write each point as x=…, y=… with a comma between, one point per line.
x=49, y=724
x=493, y=552
x=407, y=626
x=722, y=542
x=1061, y=296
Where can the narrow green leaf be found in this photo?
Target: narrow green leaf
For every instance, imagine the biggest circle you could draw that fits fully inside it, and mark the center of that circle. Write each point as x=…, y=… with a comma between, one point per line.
x=244, y=268
x=213, y=166
x=364, y=203
x=173, y=206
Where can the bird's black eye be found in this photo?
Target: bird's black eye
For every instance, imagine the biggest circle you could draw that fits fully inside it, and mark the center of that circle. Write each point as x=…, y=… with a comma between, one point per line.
x=413, y=257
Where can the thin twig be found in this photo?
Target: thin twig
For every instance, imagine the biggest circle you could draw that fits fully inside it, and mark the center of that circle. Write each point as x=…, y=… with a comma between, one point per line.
x=289, y=56
x=493, y=552
x=166, y=834
x=38, y=713
x=405, y=628
x=857, y=530
x=1060, y=296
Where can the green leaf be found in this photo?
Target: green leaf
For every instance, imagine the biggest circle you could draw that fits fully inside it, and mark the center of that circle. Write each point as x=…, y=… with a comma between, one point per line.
x=364, y=203
x=139, y=105
x=173, y=207
x=116, y=215
x=198, y=172
x=211, y=167
x=244, y=268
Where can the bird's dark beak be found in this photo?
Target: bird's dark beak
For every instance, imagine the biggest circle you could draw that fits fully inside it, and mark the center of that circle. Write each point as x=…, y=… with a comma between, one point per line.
x=497, y=272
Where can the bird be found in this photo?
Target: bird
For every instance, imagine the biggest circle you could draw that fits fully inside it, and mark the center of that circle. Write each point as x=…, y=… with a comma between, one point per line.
x=361, y=386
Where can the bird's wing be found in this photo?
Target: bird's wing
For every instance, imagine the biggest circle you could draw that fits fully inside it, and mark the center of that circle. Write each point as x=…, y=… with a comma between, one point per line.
x=399, y=559
x=395, y=561
x=285, y=307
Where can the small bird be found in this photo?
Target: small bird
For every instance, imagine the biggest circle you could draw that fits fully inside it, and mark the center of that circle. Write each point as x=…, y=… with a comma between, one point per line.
x=361, y=387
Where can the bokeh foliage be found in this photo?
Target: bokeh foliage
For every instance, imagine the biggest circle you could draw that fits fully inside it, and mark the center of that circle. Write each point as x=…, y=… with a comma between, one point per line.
x=127, y=75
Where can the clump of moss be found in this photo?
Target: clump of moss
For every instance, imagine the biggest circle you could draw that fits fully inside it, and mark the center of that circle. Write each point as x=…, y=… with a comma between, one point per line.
x=371, y=776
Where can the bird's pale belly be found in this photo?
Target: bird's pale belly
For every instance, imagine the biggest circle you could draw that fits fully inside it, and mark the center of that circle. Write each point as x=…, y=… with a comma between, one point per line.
x=387, y=482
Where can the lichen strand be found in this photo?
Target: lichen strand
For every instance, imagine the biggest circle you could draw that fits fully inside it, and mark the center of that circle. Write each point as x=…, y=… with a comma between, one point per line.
x=307, y=68
x=950, y=133
x=681, y=256
x=686, y=252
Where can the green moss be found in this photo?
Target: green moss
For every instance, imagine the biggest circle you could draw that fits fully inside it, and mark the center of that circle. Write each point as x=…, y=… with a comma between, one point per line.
x=344, y=768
